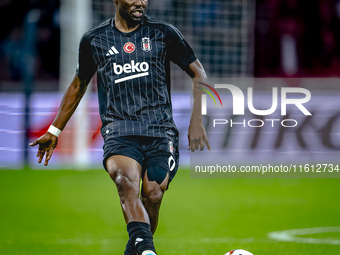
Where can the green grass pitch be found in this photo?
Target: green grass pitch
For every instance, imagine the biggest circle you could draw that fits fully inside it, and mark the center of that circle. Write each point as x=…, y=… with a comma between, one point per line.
x=72, y=212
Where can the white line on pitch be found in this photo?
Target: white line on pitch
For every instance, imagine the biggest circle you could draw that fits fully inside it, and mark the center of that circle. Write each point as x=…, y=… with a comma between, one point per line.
x=291, y=235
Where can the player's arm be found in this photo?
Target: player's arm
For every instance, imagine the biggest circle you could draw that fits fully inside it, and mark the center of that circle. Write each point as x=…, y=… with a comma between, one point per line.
x=182, y=54
x=196, y=133
x=69, y=103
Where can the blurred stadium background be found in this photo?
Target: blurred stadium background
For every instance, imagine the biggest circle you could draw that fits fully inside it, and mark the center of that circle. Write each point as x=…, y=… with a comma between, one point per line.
x=241, y=38
x=277, y=42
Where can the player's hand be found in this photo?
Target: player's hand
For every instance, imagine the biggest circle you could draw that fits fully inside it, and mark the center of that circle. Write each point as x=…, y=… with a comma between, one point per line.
x=47, y=143
x=197, y=136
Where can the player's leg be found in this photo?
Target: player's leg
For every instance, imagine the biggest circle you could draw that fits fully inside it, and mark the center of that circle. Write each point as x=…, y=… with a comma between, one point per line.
x=153, y=191
x=161, y=159
x=126, y=173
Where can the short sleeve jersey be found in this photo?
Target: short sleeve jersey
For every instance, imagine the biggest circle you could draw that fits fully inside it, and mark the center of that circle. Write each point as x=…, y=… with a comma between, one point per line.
x=133, y=76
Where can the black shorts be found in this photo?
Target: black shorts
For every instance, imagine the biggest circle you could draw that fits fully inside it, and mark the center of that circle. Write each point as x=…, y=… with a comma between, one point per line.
x=147, y=151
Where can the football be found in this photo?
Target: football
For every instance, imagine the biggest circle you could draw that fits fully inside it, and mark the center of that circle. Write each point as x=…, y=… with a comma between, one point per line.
x=238, y=252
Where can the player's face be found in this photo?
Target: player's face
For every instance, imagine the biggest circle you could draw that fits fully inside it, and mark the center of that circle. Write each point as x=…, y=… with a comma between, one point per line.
x=132, y=10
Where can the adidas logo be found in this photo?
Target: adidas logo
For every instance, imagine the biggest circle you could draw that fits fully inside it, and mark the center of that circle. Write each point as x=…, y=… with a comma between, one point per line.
x=138, y=240
x=112, y=51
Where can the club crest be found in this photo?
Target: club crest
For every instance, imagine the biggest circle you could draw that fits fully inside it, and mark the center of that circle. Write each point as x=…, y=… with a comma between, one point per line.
x=171, y=147
x=146, y=44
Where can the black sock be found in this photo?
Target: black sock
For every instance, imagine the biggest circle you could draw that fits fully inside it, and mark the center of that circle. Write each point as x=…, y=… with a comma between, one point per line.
x=130, y=248
x=140, y=237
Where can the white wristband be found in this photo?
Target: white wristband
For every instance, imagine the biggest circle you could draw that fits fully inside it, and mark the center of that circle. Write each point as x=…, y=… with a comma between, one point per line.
x=54, y=131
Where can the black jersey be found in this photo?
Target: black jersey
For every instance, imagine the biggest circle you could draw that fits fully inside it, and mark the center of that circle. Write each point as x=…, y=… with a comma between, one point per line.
x=133, y=73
